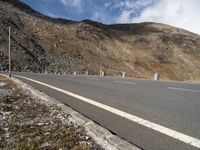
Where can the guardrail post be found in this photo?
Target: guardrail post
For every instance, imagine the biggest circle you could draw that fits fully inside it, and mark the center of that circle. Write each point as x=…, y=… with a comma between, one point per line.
x=74, y=72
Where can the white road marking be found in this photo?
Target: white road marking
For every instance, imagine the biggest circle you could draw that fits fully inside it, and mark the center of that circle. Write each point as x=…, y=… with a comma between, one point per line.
x=172, y=133
x=122, y=82
x=182, y=89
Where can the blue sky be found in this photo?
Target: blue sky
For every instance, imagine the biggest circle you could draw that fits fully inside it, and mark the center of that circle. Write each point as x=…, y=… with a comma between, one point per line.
x=106, y=11
x=180, y=13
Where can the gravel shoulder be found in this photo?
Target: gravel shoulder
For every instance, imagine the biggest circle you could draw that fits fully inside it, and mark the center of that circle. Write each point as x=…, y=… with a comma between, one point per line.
x=28, y=123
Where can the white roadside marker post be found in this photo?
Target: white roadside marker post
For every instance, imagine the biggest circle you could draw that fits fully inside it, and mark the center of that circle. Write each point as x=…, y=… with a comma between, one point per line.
x=86, y=73
x=157, y=76
x=123, y=74
x=102, y=73
x=45, y=70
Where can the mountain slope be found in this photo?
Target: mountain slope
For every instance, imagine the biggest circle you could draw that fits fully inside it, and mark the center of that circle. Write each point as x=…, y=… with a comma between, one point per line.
x=57, y=45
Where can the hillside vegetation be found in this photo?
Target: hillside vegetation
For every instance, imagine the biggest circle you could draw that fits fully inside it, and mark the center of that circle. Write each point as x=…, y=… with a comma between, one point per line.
x=64, y=46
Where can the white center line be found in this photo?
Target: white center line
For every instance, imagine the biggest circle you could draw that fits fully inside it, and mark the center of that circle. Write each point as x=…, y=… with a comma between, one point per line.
x=164, y=130
x=122, y=82
x=182, y=89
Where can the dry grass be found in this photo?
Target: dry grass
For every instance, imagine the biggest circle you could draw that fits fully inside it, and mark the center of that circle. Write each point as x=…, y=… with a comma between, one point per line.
x=27, y=124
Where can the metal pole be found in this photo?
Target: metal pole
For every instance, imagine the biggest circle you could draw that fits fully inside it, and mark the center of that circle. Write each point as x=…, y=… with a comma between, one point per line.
x=9, y=55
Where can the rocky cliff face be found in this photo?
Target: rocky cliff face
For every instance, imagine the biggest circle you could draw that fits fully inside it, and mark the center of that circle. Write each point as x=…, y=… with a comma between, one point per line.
x=58, y=45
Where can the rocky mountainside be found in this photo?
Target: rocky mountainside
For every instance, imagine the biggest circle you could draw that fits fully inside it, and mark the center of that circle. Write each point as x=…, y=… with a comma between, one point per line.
x=42, y=43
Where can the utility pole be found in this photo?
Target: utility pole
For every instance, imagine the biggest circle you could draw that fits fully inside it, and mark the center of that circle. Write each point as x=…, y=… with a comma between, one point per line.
x=9, y=54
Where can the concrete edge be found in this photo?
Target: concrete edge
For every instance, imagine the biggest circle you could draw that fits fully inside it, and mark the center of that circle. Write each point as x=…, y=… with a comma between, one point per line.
x=100, y=135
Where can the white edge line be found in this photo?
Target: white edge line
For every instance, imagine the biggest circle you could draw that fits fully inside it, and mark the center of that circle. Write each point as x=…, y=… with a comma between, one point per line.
x=172, y=133
x=122, y=82
x=94, y=79
x=182, y=89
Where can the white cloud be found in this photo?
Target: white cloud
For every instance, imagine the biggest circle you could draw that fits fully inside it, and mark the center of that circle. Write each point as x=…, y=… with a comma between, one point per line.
x=129, y=4
x=107, y=4
x=101, y=17
x=72, y=3
x=180, y=13
x=125, y=17
x=131, y=8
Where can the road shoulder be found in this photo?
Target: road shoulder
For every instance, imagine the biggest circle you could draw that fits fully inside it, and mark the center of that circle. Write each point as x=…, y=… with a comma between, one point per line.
x=100, y=135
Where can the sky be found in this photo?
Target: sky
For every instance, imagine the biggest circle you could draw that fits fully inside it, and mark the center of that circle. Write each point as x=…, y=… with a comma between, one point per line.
x=179, y=13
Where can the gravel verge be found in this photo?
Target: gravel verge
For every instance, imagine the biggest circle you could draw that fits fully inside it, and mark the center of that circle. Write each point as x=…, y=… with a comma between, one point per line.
x=26, y=122
x=91, y=130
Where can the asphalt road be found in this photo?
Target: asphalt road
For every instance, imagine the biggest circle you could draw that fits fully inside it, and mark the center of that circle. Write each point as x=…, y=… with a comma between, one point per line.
x=173, y=105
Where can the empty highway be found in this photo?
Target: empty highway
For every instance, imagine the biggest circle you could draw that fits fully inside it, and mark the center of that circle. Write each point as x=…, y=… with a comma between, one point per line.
x=154, y=115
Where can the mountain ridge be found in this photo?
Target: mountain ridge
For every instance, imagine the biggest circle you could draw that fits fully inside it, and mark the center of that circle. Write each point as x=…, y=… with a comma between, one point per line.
x=65, y=46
